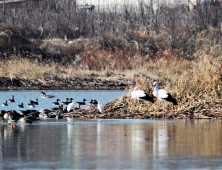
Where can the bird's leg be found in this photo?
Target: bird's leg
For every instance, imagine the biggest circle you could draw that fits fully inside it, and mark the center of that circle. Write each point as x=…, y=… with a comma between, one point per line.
x=140, y=105
x=11, y=125
x=163, y=110
x=15, y=124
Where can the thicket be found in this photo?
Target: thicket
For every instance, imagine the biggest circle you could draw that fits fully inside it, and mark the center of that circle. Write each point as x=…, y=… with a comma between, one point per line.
x=131, y=30
x=179, y=47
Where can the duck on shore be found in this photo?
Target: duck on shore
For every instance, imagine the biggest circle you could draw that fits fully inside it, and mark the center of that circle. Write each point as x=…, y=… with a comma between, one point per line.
x=2, y=113
x=12, y=116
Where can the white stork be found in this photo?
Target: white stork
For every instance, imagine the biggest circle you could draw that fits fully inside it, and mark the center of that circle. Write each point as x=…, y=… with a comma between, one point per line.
x=70, y=106
x=100, y=107
x=162, y=94
x=141, y=95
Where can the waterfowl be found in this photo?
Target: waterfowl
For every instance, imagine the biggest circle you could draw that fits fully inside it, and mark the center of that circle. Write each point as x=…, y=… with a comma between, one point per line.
x=12, y=116
x=5, y=103
x=59, y=114
x=163, y=95
x=66, y=102
x=29, y=119
x=20, y=105
x=12, y=99
x=100, y=107
x=2, y=113
x=30, y=104
x=60, y=107
x=29, y=112
x=43, y=115
x=56, y=102
x=141, y=95
x=95, y=102
x=90, y=102
x=46, y=96
x=35, y=102
x=70, y=106
x=70, y=100
x=81, y=103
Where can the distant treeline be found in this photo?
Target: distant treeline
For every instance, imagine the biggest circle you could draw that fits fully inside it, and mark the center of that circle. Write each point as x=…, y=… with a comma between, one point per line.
x=60, y=18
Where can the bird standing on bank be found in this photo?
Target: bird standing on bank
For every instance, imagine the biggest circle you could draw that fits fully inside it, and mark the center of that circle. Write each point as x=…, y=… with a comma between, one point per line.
x=12, y=116
x=141, y=95
x=100, y=107
x=163, y=95
x=70, y=106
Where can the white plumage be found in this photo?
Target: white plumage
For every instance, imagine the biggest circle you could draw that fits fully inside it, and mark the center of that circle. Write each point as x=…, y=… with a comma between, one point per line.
x=141, y=95
x=100, y=107
x=70, y=106
x=162, y=94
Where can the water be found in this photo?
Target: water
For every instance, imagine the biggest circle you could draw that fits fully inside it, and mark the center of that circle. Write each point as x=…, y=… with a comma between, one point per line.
x=112, y=144
x=25, y=96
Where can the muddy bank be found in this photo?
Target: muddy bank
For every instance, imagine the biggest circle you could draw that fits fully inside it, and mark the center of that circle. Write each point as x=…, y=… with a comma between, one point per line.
x=120, y=109
x=55, y=83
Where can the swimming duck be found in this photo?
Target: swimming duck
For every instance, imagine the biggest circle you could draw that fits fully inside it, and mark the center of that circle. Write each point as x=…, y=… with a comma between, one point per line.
x=81, y=103
x=66, y=102
x=5, y=103
x=20, y=105
x=91, y=102
x=46, y=96
x=12, y=99
x=56, y=102
x=31, y=104
x=35, y=102
x=70, y=100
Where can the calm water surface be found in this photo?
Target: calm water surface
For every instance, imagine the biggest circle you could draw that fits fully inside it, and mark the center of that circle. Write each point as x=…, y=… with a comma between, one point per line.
x=112, y=144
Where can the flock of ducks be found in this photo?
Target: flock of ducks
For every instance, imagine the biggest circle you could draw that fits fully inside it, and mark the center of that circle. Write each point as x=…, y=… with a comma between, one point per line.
x=31, y=116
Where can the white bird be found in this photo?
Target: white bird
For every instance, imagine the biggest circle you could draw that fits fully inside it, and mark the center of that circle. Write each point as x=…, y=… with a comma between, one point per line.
x=100, y=107
x=162, y=94
x=141, y=95
x=70, y=106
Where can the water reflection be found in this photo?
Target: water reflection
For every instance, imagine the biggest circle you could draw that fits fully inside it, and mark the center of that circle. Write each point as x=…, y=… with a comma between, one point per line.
x=118, y=144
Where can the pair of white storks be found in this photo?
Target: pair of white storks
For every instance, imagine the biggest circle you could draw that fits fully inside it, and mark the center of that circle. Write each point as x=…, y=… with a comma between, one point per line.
x=161, y=94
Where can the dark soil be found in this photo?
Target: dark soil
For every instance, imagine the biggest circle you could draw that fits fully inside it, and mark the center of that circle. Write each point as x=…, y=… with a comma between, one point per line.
x=55, y=83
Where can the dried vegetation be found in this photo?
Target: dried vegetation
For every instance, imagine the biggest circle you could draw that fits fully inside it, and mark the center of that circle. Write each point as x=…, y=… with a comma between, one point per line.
x=179, y=48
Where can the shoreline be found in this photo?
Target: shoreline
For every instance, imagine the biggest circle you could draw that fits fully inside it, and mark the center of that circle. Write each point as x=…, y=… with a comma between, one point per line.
x=54, y=83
